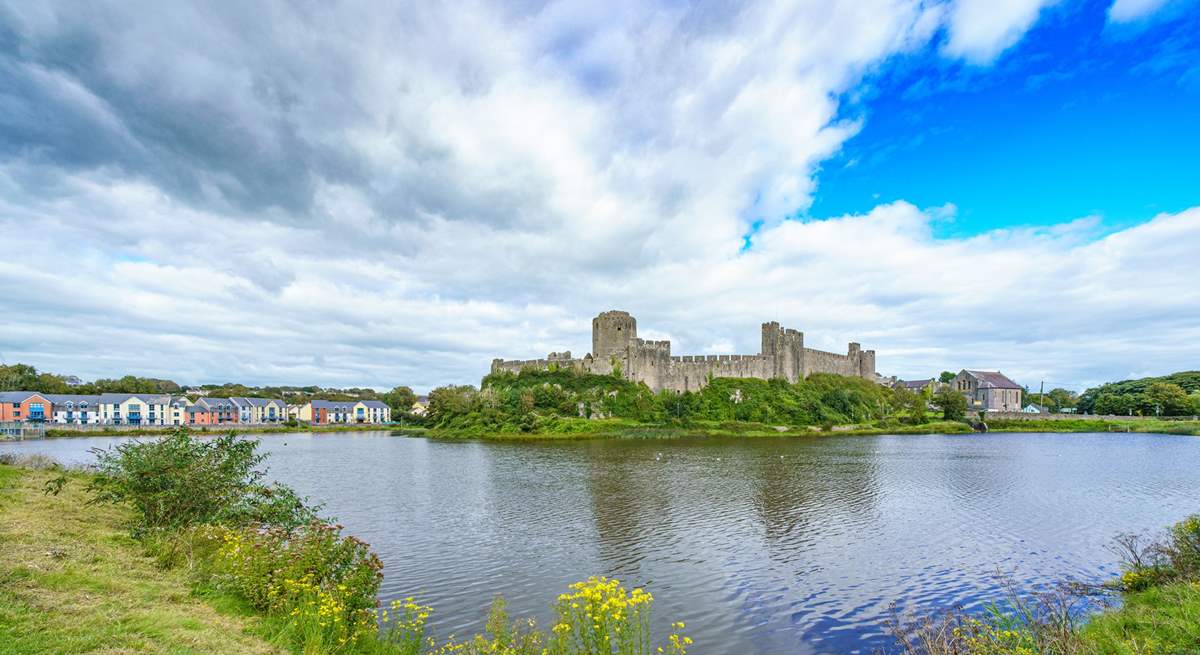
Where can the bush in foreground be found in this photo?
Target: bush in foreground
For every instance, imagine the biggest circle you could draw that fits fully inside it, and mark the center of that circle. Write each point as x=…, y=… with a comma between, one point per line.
x=204, y=503
x=181, y=481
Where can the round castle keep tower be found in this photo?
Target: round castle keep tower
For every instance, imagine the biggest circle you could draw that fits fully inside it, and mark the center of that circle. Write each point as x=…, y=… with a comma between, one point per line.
x=612, y=332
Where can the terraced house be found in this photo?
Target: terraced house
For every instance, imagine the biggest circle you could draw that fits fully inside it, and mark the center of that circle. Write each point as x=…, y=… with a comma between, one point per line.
x=24, y=406
x=324, y=412
x=164, y=409
x=260, y=410
x=75, y=409
x=134, y=409
x=212, y=411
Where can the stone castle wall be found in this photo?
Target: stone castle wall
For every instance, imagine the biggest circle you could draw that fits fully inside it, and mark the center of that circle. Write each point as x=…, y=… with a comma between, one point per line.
x=615, y=343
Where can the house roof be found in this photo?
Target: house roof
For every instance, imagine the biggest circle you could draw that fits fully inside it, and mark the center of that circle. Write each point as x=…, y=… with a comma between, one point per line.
x=993, y=380
x=18, y=396
x=246, y=401
x=916, y=384
x=211, y=403
x=149, y=398
x=334, y=404
x=376, y=404
x=64, y=398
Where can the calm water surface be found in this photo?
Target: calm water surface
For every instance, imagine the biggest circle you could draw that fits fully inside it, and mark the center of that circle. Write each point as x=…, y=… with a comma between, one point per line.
x=770, y=545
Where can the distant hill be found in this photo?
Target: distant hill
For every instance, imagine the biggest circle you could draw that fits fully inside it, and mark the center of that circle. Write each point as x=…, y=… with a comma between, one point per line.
x=1144, y=395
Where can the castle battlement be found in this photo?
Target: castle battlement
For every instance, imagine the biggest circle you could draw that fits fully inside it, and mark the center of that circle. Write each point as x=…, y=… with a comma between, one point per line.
x=615, y=344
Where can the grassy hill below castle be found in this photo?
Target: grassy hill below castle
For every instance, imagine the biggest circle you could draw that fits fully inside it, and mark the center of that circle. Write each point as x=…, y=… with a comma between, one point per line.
x=565, y=402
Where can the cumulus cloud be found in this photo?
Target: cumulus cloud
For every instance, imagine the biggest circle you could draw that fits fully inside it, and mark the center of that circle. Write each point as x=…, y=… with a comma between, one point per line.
x=1124, y=11
x=357, y=196
x=981, y=29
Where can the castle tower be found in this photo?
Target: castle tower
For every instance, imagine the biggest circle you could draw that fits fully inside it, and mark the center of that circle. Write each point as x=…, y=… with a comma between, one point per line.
x=783, y=348
x=612, y=332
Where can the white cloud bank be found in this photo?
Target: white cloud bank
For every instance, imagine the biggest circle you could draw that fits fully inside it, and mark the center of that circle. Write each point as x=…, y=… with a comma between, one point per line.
x=354, y=197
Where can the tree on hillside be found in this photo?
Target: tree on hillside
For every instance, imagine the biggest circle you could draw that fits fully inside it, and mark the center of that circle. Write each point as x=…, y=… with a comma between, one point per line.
x=1189, y=381
x=18, y=377
x=1055, y=400
x=400, y=399
x=946, y=377
x=448, y=401
x=1114, y=404
x=952, y=403
x=913, y=403
x=1166, y=399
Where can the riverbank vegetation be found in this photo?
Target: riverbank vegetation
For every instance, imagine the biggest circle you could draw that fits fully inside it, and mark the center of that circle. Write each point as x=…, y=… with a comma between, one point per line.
x=1091, y=424
x=566, y=402
x=195, y=520
x=1159, y=610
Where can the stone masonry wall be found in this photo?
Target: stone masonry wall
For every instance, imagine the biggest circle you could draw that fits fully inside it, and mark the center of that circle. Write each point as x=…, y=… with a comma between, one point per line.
x=783, y=356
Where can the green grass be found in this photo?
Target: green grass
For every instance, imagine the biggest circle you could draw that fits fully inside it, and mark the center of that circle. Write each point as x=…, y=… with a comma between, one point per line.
x=1161, y=426
x=578, y=428
x=1159, y=620
x=73, y=581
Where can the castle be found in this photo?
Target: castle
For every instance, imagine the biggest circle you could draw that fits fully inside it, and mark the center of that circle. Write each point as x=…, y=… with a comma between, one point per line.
x=616, y=346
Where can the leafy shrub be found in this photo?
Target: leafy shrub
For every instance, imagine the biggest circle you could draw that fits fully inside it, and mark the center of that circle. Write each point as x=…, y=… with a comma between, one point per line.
x=322, y=583
x=1184, y=548
x=1155, y=563
x=180, y=481
x=952, y=403
x=594, y=616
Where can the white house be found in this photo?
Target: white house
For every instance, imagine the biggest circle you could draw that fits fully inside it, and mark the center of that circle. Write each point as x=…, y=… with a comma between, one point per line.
x=135, y=409
x=74, y=409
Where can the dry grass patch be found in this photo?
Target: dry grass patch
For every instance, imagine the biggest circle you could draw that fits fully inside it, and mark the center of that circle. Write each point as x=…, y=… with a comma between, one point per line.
x=73, y=581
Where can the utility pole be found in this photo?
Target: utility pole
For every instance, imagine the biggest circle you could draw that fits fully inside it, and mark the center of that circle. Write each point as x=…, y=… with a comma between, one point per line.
x=1042, y=394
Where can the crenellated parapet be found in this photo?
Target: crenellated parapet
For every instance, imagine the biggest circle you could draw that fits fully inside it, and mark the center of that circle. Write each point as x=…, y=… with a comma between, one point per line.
x=616, y=346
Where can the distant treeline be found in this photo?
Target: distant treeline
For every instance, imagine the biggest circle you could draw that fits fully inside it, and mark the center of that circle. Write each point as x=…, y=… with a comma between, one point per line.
x=539, y=401
x=1177, y=394
x=23, y=377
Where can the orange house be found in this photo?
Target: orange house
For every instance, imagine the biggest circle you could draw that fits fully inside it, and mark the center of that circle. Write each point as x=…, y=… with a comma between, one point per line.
x=212, y=411
x=27, y=406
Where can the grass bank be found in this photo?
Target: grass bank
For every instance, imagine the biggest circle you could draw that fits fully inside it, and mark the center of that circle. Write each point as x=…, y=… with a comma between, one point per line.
x=1137, y=424
x=579, y=428
x=72, y=580
x=1163, y=619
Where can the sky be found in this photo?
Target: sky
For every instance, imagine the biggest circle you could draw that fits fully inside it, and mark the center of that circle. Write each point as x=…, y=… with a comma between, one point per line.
x=348, y=194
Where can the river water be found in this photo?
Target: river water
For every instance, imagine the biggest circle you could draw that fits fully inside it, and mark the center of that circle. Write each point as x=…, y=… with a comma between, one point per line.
x=761, y=545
